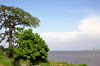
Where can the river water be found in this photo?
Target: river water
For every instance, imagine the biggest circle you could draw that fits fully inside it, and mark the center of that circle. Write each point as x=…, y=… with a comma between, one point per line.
x=91, y=58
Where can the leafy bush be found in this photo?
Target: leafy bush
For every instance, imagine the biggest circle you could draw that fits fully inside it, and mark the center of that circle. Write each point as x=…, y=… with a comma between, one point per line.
x=2, y=48
x=16, y=63
x=5, y=61
x=1, y=52
x=10, y=52
x=31, y=47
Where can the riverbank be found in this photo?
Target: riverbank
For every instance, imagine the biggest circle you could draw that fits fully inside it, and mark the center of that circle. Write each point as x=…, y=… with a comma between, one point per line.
x=5, y=61
x=53, y=63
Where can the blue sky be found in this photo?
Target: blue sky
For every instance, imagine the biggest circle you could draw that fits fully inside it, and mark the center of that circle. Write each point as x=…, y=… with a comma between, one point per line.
x=70, y=20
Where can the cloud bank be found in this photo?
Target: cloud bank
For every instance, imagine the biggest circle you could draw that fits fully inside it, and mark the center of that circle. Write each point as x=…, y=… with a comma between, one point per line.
x=87, y=38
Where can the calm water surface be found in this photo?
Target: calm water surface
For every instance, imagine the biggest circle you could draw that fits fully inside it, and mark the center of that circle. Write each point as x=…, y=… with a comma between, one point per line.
x=91, y=58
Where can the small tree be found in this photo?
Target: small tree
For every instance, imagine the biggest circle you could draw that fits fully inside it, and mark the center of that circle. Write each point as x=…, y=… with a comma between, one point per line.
x=31, y=47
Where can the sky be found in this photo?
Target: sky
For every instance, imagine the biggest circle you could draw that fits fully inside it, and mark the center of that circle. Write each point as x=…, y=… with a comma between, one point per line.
x=65, y=24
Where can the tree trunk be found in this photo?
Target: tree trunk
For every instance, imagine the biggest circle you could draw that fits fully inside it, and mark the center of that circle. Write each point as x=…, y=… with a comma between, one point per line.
x=10, y=36
x=10, y=55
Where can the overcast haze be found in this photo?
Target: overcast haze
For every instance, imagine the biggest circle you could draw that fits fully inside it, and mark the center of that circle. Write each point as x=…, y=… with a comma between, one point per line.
x=65, y=24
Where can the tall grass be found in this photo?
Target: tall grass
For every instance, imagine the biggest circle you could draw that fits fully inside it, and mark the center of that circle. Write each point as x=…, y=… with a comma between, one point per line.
x=5, y=61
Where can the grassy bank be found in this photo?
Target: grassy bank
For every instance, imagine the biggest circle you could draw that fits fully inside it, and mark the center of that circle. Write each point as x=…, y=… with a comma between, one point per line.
x=5, y=61
x=53, y=63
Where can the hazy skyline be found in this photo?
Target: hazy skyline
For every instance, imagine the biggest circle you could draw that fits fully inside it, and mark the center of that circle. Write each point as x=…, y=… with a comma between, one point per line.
x=65, y=24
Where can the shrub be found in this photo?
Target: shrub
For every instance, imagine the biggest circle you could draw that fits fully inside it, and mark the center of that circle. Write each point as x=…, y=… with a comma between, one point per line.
x=31, y=47
x=10, y=52
x=2, y=48
x=16, y=63
x=1, y=52
x=5, y=61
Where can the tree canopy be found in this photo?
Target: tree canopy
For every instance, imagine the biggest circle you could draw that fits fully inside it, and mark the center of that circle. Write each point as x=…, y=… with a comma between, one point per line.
x=30, y=46
x=11, y=17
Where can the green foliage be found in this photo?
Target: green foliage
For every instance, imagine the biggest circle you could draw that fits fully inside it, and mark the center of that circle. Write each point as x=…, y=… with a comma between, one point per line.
x=10, y=52
x=10, y=17
x=82, y=65
x=1, y=52
x=31, y=47
x=16, y=63
x=2, y=48
x=5, y=61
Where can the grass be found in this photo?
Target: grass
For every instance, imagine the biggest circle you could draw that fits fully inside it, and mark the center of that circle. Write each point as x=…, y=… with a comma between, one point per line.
x=53, y=63
x=5, y=61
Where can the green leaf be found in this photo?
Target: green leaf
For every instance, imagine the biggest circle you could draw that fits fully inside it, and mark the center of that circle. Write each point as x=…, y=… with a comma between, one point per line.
x=32, y=47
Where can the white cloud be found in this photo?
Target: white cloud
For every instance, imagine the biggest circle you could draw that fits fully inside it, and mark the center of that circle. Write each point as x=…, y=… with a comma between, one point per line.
x=60, y=36
x=87, y=37
x=90, y=26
